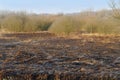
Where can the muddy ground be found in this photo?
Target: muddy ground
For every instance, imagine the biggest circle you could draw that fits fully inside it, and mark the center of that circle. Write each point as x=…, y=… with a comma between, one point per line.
x=47, y=57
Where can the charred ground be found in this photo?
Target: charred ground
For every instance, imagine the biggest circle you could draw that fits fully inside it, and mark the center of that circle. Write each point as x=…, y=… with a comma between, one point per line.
x=33, y=56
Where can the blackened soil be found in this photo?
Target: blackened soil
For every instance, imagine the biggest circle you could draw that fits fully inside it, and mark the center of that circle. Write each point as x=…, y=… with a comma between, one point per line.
x=58, y=58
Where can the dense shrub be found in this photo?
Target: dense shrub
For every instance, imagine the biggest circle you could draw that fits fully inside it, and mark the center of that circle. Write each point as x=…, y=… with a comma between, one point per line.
x=30, y=25
x=12, y=23
x=88, y=22
x=65, y=25
x=23, y=22
x=102, y=26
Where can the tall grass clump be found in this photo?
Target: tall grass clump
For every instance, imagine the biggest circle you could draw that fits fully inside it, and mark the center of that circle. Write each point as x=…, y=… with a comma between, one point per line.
x=87, y=24
x=30, y=25
x=65, y=25
x=101, y=26
x=12, y=23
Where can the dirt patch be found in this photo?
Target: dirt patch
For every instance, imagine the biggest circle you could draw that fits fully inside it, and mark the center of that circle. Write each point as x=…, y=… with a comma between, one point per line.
x=57, y=58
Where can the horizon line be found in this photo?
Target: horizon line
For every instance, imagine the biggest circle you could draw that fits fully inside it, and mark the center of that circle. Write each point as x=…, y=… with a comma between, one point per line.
x=61, y=12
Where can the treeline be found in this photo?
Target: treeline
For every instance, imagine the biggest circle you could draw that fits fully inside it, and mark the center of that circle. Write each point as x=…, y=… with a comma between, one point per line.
x=85, y=22
x=24, y=22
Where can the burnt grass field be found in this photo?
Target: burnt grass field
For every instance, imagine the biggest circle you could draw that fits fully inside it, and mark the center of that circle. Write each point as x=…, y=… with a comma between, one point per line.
x=44, y=56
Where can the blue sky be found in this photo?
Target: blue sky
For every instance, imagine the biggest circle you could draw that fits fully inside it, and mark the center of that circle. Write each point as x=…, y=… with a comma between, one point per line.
x=53, y=6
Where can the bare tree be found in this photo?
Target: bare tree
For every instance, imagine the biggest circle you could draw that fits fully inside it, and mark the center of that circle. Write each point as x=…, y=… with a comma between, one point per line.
x=115, y=5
